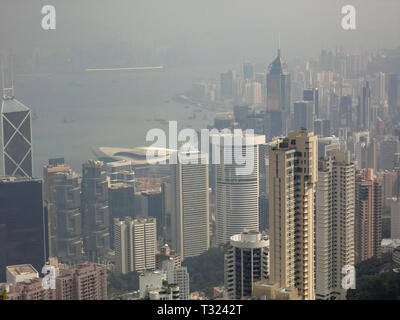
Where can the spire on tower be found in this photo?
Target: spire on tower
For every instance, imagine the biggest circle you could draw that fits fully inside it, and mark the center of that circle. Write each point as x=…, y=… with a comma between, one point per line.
x=279, y=45
x=7, y=91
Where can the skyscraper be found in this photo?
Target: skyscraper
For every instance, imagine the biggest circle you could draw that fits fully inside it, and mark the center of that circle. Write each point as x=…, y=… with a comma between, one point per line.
x=16, y=137
x=227, y=84
x=68, y=215
x=368, y=220
x=22, y=223
x=292, y=184
x=135, y=242
x=248, y=71
x=95, y=211
x=303, y=115
x=190, y=222
x=237, y=195
x=245, y=263
x=393, y=92
x=312, y=95
x=278, y=113
x=334, y=224
x=121, y=198
x=49, y=172
x=364, y=108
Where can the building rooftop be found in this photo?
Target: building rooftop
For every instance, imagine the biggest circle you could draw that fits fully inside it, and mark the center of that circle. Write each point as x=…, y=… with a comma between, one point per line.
x=21, y=270
x=13, y=105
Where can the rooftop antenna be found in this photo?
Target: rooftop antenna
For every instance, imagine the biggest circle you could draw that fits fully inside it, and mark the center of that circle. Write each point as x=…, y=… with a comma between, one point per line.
x=279, y=44
x=8, y=93
x=12, y=73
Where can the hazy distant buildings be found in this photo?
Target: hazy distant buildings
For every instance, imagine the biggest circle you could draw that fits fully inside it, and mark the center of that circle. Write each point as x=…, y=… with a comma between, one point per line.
x=313, y=96
x=303, y=115
x=292, y=185
x=227, y=84
x=388, y=148
x=248, y=71
x=364, y=108
x=346, y=111
x=368, y=220
x=16, y=134
x=135, y=243
x=245, y=263
x=95, y=210
x=23, y=235
x=395, y=219
x=326, y=145
x=322, y=127
x=393, y=92
x=334, y=224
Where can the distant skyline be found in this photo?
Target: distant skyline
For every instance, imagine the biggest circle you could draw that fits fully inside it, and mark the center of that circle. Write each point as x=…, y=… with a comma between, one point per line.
x=201, y=32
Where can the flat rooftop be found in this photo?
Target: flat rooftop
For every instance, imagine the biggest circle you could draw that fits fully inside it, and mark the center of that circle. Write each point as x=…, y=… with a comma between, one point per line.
x=21, y=270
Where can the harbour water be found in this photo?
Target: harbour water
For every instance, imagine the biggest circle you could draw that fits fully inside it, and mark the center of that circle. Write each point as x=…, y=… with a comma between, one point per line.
x=74, y=112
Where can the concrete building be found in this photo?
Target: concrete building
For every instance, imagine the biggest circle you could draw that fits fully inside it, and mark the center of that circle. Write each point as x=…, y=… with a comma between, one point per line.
x=190, y=230
x=20, y=273
x=245, y=263
x=292, y=184
x=31, y=289
x=179, y=276
x=85, y=281
x=263, y=290
x=368, y=219
x=135, y=242
x=326, y=145
x=154, y=286
x=236, y=188
x=166, y=254
x=334, y=224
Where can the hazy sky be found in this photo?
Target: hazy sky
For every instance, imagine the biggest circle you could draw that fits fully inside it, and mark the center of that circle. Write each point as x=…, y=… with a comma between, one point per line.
x=207, y=31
